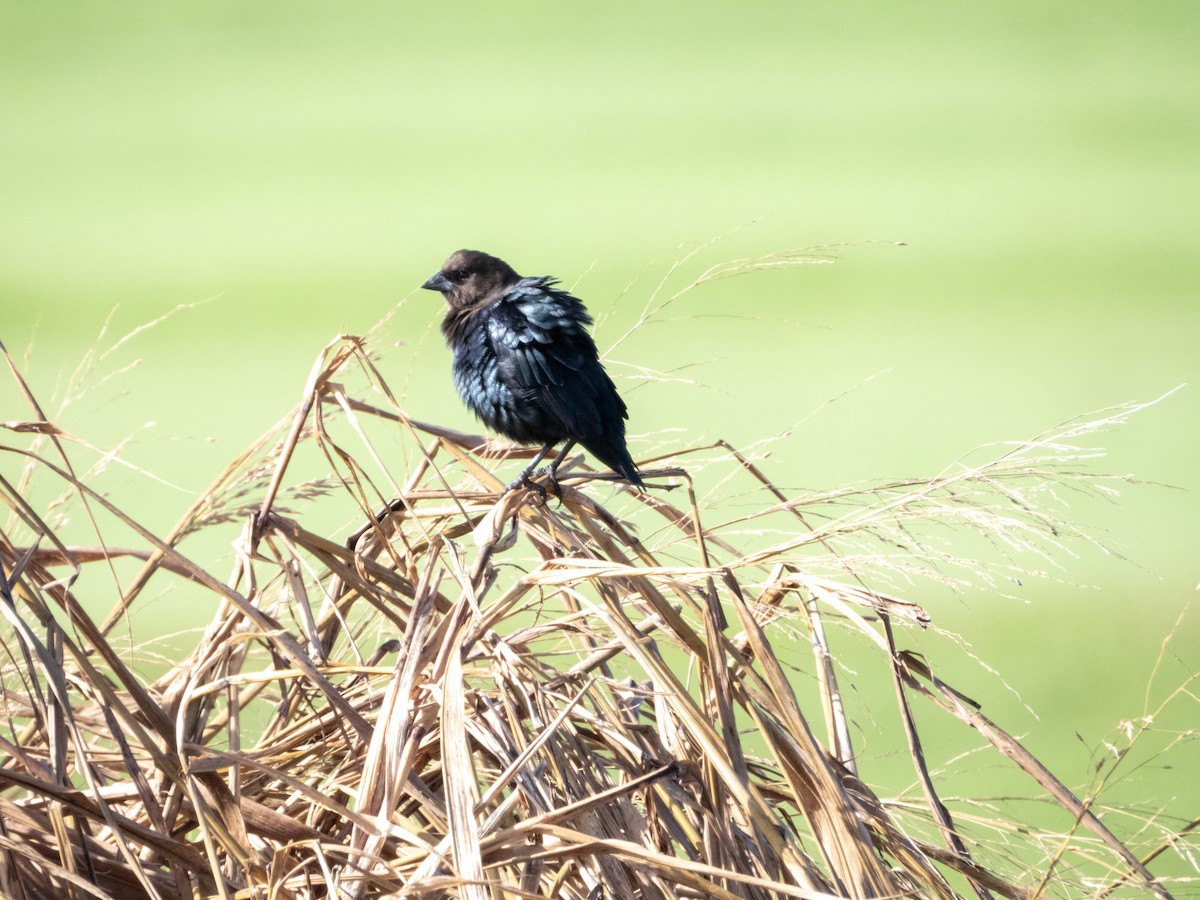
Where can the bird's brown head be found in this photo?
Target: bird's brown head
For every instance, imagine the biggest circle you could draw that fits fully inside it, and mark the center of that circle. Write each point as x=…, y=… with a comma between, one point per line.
x=470, y=277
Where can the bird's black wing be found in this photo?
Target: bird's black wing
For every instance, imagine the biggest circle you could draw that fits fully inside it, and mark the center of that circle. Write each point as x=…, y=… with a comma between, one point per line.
x=547, y=359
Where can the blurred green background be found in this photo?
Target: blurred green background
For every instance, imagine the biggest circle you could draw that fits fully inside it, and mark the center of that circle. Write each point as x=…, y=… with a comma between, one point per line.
x=302, y=167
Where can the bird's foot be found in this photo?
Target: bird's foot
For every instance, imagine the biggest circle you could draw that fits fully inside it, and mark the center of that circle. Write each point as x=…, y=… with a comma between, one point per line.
x=526, y=480
x=555, y=488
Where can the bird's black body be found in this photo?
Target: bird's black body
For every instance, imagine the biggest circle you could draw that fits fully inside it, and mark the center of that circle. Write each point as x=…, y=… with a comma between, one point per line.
x=525, y=363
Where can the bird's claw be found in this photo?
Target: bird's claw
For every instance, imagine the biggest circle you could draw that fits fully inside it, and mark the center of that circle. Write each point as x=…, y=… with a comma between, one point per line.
x=526, y=481
x=555, y=488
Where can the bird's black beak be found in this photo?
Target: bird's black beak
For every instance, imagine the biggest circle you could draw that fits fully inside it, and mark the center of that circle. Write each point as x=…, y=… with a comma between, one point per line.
x=438, y=282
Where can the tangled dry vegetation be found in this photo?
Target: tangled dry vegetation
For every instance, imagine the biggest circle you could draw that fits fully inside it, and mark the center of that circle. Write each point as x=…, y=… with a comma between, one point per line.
x=477, y=694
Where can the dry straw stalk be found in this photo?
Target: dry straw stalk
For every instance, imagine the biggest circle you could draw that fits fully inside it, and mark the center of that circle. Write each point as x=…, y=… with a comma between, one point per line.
x=483, y=694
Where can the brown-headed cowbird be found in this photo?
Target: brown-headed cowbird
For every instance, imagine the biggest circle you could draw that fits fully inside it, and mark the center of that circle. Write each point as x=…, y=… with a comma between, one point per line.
x=525, y=363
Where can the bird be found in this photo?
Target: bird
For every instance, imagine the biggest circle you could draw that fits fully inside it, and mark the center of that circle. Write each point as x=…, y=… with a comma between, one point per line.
x=526, y=365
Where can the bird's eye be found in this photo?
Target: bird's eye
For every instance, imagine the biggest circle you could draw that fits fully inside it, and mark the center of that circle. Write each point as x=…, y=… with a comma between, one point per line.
x=457, y=276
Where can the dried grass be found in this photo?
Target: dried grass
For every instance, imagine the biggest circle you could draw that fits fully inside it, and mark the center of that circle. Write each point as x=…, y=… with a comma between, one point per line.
x=491, y=695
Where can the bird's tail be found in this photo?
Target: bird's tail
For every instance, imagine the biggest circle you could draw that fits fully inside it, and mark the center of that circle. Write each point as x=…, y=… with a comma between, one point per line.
x=616, y=457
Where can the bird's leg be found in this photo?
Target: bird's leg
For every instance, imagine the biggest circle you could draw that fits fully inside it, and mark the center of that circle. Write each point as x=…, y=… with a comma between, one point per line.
x=553, y=470
x=523, y=479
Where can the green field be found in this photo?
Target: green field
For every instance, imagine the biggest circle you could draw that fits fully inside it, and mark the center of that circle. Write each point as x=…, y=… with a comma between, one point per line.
x=297, y=169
